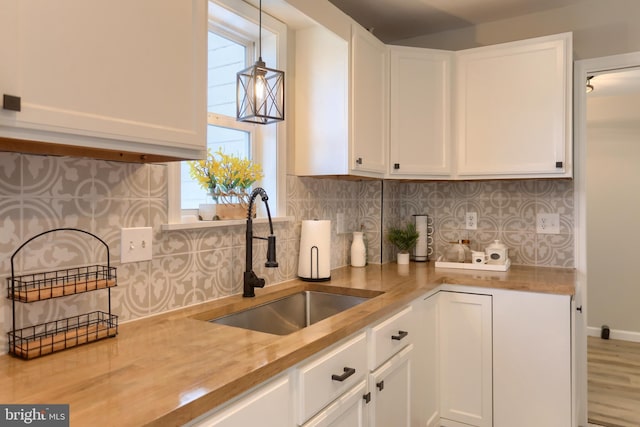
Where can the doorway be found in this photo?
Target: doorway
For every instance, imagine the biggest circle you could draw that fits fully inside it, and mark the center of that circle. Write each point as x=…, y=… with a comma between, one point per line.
x=607, y=136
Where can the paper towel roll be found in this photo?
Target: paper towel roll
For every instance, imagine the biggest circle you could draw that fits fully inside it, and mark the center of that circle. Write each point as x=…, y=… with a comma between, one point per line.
x=314, y=263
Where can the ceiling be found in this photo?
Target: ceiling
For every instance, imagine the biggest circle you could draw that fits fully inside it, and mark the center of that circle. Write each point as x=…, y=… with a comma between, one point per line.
x=393, y=20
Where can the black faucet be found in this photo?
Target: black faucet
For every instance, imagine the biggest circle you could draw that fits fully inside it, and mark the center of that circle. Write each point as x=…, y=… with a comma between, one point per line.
x=251, y=281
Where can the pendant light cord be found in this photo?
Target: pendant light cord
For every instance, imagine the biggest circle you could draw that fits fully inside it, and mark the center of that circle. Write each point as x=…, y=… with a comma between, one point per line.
x=260, y=33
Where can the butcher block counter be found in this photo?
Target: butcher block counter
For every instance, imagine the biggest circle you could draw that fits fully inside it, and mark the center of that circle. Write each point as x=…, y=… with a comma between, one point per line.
x=170, y=368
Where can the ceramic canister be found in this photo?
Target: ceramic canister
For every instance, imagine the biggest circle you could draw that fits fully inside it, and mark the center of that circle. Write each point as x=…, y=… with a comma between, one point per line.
x=497, y=253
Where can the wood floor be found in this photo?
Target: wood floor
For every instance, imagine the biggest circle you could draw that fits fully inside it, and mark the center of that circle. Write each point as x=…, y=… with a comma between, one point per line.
x=614, y=382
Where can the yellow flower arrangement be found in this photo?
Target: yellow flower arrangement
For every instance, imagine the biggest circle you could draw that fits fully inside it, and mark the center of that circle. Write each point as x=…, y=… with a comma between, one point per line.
x=226, y=177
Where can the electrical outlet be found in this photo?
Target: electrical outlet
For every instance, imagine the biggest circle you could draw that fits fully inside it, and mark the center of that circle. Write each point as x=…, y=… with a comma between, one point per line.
x=471, y=221
x=548, y=223
x=135, y=244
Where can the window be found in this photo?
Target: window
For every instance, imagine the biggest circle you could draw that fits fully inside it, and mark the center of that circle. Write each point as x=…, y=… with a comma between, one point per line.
x=232, y=44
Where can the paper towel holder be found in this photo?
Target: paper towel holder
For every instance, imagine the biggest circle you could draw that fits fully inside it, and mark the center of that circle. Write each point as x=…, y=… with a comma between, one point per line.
x=314, y=250
x=314, y=262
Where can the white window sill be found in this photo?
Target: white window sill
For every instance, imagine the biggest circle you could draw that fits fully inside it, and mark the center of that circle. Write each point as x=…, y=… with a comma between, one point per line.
x=223, y=223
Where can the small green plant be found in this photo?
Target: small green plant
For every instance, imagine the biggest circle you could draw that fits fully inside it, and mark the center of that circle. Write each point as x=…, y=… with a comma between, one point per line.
x=404, y=238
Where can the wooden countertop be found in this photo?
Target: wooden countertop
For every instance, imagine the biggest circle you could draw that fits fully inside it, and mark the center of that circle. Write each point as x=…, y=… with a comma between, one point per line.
x=170, y=368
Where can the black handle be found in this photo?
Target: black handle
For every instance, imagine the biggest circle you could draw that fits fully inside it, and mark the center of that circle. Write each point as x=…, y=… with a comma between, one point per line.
x=380, y=385
x=396, y=165
x=559, y=165
x=579, y=308
x=401, y=334
x=359, y=161
x=367, y=397
x=347, y=373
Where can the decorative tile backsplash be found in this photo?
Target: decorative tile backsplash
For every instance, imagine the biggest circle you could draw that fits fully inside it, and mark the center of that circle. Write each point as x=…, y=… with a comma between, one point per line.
x=39, y=193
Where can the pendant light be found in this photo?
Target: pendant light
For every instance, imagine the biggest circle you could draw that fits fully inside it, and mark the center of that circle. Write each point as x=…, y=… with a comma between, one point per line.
x=260, y=90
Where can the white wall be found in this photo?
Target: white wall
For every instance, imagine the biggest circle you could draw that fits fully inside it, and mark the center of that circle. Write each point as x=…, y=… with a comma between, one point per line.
x=613, y=211
x=600, y=28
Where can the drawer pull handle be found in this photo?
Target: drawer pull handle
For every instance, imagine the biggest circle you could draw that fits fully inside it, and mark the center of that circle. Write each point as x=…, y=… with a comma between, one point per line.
x=380, y=385
x=367, y=397
x=347, y=373
x=401, y=334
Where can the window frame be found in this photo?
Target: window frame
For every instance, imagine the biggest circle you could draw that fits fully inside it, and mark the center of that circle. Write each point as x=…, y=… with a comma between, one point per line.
x=236, y=19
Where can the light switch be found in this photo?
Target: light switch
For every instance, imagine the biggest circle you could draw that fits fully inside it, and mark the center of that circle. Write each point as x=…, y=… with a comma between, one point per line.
x=136, y=244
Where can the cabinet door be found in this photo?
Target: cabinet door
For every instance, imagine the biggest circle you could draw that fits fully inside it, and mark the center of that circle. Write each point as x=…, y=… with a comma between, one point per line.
x=321, y=116
x=95, y=73
x=425, y=389
x=390, y=387
x=346, y=411
x=369, y=109
x=466, y=358
x=267, y=406
x=532, y=359
x=420, y=111
x=514, y=109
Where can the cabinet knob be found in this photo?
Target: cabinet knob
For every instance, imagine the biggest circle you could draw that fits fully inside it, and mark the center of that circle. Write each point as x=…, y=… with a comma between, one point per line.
x=367, y=397
x=401, y=334
x=380, y=385
x=396, y=165
x=346, y=374
x=359, y=161
x=11, y=103
x=559, y=165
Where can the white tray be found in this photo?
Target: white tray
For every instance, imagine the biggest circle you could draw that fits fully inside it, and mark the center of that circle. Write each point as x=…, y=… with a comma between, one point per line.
x=470, y=266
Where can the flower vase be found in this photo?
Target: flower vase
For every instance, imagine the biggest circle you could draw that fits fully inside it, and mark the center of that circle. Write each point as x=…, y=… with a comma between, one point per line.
x=207, y=211
x=358, y=250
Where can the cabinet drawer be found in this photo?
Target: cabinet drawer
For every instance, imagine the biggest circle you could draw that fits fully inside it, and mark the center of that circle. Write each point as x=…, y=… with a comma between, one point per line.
x=326, y=376
x=390, y=336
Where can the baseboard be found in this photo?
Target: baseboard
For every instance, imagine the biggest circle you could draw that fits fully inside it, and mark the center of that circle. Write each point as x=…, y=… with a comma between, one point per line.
x=615, y=334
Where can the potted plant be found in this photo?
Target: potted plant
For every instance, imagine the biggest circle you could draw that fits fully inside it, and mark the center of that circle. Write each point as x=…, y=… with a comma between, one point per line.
x=228, y=179
x=405, y=239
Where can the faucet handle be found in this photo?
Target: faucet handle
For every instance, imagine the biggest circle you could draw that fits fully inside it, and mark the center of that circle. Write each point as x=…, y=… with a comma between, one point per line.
x=271, y=252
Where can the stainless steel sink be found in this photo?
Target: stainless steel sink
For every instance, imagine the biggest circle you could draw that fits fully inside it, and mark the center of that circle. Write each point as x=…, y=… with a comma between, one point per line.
x=291, y=313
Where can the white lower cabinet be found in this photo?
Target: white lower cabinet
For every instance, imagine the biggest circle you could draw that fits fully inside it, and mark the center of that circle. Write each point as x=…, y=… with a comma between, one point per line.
x=496, y=358
x=425, y=388
x=267, y=406
x=465, y=359
x=531, y=359
x=390, y=387
x=346, y=411
x=327, y=376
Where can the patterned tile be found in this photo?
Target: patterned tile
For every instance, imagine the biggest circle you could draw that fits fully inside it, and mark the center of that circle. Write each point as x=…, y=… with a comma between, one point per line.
x=38, y=193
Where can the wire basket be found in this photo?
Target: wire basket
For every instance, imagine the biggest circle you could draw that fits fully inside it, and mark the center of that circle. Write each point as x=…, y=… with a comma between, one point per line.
x=39, y=340
x=53, y=284
x=46, y=338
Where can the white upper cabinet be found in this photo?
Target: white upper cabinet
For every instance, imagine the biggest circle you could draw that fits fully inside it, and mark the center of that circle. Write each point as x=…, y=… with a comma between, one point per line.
x=115, y=75
x=366, y=109
x=420, y=112
x=513, y=109
x=341, y=103
x=369, y=112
